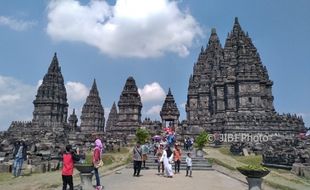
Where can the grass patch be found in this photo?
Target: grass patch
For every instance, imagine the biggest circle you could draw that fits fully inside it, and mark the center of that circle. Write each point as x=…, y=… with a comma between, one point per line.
x=108, y=159
x=5, y=176
x=225, y=150
x=219, y=162
x=123, y=150
x=129, y=159
x=250, y=160
x=297, y=181
x=277, y=186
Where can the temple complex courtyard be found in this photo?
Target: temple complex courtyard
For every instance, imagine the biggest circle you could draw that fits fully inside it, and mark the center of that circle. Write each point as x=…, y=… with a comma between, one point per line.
x=118, y=175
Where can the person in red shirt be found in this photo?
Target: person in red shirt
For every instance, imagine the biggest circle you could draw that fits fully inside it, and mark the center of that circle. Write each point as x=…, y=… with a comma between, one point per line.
x=69, y=157
x=96, y=159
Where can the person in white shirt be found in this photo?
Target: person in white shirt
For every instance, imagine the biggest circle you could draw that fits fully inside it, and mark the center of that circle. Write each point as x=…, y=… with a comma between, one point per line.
x=189, y=165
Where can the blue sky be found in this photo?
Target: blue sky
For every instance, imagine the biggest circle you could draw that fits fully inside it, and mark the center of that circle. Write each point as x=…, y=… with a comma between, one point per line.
x=155, y=41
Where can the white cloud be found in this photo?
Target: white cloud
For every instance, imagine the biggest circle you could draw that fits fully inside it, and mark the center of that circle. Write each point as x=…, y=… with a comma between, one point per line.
x=76, y=91
x=18, y=25
x=152, y=92
x=154, y=110
x=131, y=28
x=15, y=101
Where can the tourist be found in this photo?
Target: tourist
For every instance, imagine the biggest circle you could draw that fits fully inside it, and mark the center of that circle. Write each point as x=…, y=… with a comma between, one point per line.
x=137, y=159
x=167, y=158
x=177, y=158
x=189, y=165
x=19, y=155
x=159, y=160
x=68, y=159
x=145, y=151
x=97, y=156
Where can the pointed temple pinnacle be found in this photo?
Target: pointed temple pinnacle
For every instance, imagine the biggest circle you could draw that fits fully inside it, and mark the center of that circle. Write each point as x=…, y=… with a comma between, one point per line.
x=73, y=111
x=94, y=86
x=169, y=92
x=55, y=56
x=213, y=31
x=236, y=20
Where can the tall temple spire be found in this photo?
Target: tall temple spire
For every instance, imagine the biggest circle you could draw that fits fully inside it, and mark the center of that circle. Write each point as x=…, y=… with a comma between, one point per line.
x=129, y=104
x=112, y=119
x=92, y=118
x=169, y=111
x=228, y=80
x=50, y=105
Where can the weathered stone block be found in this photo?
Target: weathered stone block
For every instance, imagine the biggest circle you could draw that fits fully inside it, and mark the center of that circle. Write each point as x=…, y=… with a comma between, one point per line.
x=5, y=167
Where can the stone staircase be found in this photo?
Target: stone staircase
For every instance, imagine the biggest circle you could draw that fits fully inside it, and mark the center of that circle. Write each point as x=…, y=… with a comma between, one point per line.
x=199, y=163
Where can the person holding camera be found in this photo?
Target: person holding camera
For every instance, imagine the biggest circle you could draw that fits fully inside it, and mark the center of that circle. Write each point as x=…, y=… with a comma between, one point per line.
x=69, y=157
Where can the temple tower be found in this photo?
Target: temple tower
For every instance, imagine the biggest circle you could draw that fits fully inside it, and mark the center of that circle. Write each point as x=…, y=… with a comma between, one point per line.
x=50, y=104
x=112, y=119
x=206, y=83
x=92, y=117
x=129, y=106
x=230, y=89
x=249, y=87
x=169, y=112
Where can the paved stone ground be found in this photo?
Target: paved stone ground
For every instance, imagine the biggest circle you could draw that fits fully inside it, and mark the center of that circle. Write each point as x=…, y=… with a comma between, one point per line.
x=149, y=180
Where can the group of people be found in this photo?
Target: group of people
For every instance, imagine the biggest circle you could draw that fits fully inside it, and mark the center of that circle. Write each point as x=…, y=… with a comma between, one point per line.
x=70, y=156
x=188, y=143
x=164, y=158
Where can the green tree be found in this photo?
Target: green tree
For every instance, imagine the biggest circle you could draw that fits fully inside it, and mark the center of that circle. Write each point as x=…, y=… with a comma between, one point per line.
x=201, y=140
x=142, y=135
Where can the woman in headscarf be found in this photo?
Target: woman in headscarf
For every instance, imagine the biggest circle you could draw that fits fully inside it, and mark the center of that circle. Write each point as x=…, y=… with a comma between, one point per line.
x=96, y=159
x=167, y=158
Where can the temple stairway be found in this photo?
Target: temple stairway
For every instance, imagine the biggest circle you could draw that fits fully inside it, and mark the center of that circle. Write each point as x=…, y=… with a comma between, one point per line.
x=199, y=163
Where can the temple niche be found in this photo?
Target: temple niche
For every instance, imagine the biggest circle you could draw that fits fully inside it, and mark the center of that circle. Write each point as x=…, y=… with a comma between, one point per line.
x=169, y=112
x=92, y=118
x=230, y=90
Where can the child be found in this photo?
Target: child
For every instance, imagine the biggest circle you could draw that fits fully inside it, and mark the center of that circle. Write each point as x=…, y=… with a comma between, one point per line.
x=189, y=165
x=67, y=170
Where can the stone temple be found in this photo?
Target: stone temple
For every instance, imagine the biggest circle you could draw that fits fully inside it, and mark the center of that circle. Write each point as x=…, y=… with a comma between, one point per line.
x=230, y=90
x=129, y=106
x=92, y=118
x=50, y=105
